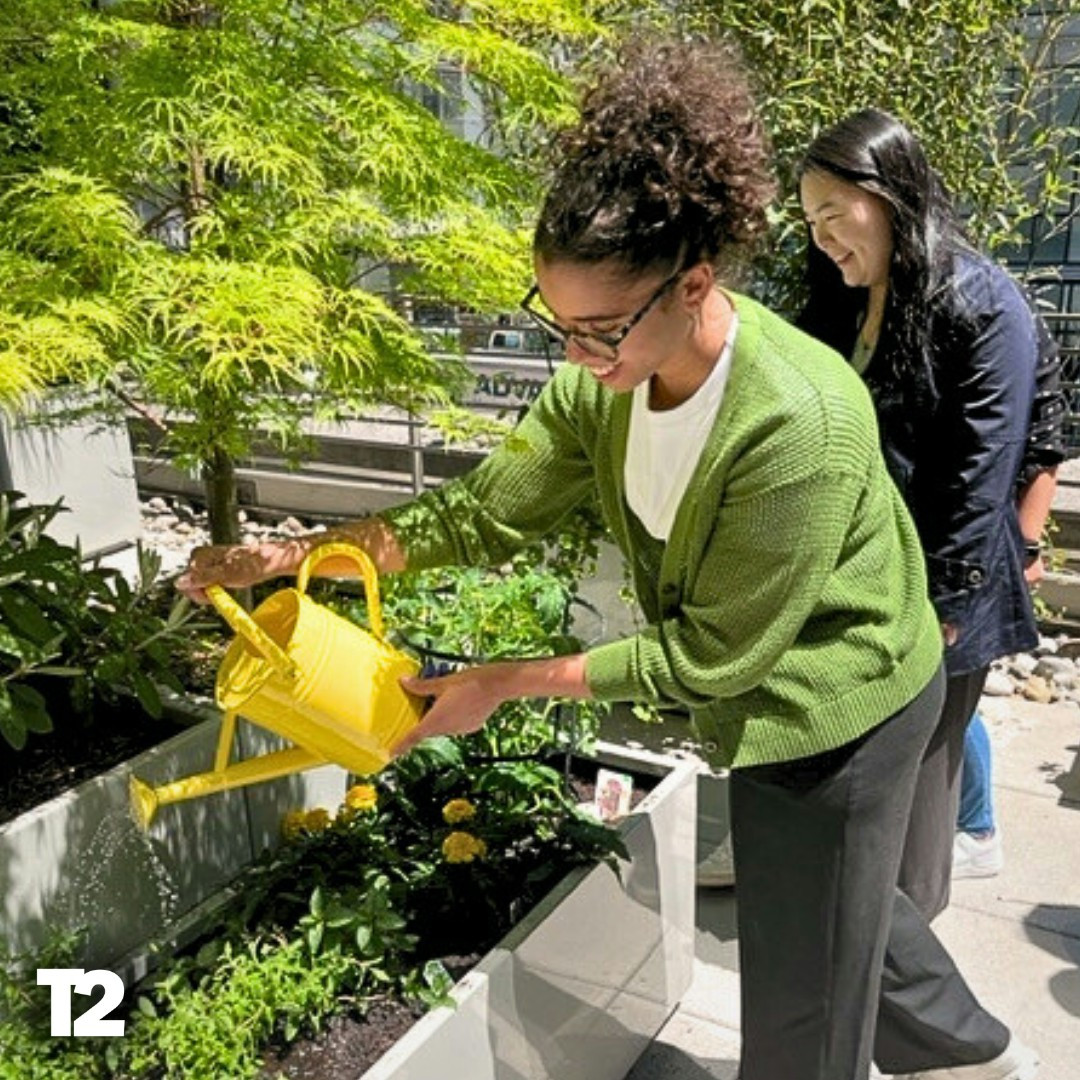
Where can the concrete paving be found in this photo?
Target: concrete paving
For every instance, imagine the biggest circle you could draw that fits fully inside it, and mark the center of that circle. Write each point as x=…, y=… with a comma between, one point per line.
x=1016, y=937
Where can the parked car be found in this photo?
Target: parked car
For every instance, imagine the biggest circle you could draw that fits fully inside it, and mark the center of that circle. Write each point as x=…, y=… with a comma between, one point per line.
x=519, y=341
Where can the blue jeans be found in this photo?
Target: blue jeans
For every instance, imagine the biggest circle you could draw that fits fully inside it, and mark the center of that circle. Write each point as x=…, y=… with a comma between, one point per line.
x=976, y=805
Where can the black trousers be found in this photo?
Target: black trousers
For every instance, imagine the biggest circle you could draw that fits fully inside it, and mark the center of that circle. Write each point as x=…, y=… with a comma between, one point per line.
x=837, y=965
x=926, y=865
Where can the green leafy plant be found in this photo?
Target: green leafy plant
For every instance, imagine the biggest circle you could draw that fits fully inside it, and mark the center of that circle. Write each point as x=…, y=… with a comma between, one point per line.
x=436, y=857
x=217, y=1023
x=27, y=1052
x=74, y=637
x=455, y=616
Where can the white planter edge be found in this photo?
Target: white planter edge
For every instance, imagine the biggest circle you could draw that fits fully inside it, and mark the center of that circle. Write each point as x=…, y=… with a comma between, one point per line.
x=578, y=989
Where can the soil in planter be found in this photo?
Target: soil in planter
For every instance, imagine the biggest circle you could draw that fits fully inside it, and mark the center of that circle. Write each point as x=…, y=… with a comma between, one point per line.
x=49, y=764
x=349, y=1047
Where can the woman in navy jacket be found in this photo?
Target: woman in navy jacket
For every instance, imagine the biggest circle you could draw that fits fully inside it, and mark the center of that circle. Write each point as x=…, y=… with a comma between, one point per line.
x=947, y=344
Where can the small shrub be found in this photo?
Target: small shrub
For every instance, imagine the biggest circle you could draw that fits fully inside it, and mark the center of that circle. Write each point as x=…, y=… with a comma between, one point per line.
x=74, y=636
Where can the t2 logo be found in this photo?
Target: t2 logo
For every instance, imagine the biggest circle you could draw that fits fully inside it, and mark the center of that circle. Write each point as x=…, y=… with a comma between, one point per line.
x=66, y=980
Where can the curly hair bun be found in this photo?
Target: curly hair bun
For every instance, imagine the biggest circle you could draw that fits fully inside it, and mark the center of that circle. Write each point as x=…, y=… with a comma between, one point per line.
x=668, y=161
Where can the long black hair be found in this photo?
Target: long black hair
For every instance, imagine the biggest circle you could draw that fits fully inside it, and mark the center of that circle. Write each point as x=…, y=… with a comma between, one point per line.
x=669, y=163
x=877, y=153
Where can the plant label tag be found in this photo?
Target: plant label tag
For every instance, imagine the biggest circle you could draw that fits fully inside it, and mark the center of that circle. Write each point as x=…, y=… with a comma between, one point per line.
x=612, y=799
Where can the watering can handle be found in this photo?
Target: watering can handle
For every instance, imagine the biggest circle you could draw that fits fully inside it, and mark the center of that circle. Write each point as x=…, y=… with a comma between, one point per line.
x=246, y=627
x=367, y=572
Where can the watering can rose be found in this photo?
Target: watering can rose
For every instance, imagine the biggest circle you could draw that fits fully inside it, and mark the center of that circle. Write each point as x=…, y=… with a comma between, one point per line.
x=463, y=847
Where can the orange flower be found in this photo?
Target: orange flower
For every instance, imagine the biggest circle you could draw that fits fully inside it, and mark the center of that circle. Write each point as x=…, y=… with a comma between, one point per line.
x=463, y=847
x=362, y=798
x=457, y=811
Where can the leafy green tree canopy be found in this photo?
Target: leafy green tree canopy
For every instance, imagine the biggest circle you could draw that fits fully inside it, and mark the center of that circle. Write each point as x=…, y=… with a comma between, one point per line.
x=199, y=200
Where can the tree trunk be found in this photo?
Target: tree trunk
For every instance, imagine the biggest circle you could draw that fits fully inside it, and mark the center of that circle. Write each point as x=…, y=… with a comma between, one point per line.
x=219, y=483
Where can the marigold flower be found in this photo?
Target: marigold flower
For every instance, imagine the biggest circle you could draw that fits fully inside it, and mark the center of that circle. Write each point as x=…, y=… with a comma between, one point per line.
x=457, y=811
x=361, y=797
x=463, y=847
x=292, y=824
x=316, y=820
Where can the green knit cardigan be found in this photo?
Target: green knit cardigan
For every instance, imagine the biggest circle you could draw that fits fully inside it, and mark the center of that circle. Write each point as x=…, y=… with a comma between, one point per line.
x=791, y=614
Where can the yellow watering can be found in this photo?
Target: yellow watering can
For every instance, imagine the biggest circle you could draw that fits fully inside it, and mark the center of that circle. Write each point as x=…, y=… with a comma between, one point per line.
x=324, y=683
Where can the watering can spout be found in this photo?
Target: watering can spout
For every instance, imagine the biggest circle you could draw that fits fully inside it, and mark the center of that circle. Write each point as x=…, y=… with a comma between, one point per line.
x=144, y=802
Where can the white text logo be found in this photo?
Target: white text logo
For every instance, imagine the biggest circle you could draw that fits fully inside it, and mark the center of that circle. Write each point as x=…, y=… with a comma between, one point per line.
x=65, y=980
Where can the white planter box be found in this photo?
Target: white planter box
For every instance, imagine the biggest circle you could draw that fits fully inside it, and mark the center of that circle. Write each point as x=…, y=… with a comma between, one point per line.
x=80, y=860
x=86, y=464
x=582, y=985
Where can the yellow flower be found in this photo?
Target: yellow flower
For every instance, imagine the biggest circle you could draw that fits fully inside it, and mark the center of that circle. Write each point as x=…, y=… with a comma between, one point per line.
x=361, y=797
x=292, y=824
x=316, y=820
x=460, y=847
x=457, y=811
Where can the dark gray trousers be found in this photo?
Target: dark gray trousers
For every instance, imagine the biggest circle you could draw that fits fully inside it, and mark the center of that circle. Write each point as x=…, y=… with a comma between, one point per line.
x=926, y=865
x=837, y=966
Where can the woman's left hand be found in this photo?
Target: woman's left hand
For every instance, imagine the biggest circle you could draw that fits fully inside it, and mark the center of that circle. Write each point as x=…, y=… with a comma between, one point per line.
x=463, y=701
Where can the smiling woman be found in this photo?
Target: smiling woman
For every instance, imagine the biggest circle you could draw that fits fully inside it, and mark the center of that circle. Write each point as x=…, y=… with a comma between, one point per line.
x=948, y=347
x=853, y=227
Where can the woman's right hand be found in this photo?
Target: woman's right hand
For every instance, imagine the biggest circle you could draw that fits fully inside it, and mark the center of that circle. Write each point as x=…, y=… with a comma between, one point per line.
x=237, y=566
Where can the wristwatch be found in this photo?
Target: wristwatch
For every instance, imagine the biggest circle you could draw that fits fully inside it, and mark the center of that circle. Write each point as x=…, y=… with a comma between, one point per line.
x=1032, y=552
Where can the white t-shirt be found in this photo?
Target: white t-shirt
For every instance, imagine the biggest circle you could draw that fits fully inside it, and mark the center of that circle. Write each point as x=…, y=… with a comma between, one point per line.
x=663, y=448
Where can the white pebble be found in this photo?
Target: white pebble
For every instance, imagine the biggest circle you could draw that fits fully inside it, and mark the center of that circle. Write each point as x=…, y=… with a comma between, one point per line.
x=998, y=684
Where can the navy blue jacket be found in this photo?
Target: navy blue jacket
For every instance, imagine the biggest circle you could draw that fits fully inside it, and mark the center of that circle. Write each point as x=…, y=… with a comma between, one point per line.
x=957, y=456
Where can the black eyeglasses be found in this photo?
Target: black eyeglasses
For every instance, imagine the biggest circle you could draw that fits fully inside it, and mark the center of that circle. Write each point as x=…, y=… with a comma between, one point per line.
x=604, y=346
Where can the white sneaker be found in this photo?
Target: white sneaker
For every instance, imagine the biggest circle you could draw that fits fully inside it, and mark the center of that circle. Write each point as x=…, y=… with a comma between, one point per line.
x=977, y=857
x=1018, y=1062
x=717, y=869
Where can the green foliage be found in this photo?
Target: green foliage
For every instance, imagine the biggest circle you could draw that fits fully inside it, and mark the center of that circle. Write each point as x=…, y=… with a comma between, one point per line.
x=971, y=77
x=209, y=202
x=27, y=1051
x=437, y=856
x=455, y=616
x=83, y=627
x=218, y=1024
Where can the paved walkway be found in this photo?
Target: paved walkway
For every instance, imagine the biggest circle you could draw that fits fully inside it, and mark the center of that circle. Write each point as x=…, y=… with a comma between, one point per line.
x=1016, y=937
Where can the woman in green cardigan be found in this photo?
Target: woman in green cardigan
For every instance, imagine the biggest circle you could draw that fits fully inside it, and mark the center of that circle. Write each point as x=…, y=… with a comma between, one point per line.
x=736, y=463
